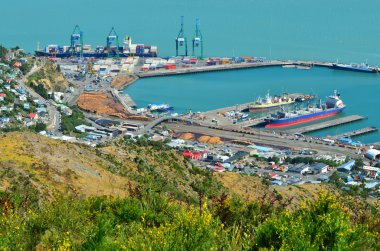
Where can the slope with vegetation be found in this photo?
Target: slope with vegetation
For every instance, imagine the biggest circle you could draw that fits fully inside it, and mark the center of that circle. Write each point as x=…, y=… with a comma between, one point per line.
x=142, y=196
x=48, y=79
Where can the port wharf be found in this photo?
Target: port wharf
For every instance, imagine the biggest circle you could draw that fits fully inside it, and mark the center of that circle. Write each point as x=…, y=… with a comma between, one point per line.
x=226, y=67
x=356, y=133
x=326, y=124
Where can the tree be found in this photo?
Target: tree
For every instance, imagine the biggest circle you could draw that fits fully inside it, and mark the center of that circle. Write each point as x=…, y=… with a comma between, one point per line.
x=40, y=127
x=358, y=165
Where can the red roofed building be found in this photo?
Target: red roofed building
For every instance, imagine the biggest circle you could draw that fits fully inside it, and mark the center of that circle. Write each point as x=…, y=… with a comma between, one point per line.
x=193, y=155
x=33, y=115
x=17, y=64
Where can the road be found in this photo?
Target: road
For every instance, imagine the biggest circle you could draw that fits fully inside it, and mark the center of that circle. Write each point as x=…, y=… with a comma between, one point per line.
x=54, y=115
x=264, y=139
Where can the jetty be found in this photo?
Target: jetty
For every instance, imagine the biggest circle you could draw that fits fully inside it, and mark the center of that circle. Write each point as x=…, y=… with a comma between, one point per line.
x=225, y=67
x=127, y=100
x=326, y=124
x=376, y=145
x=356, y=133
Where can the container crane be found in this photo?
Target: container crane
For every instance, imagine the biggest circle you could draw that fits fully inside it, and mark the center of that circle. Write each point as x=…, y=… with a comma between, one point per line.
x=198, y=39
x=113, y=43
x=76, y=40
x=181, y=40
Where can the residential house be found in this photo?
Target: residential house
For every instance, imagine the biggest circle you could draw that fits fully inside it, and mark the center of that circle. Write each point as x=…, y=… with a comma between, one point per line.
x=300, y=168
x=319, y=168
x=33, y=116
x=192, y=155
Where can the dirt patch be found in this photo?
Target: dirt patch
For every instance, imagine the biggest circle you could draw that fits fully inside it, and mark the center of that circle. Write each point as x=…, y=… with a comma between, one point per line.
x=122, y=81
x=102, y=104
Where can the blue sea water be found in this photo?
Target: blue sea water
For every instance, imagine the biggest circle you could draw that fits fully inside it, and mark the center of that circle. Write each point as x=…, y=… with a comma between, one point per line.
x=346, y=30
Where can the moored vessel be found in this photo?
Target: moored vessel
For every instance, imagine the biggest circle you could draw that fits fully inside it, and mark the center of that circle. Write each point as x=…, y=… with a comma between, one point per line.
x=160, y=108
x=333, y=106
x=269, y=103
x=354, y=67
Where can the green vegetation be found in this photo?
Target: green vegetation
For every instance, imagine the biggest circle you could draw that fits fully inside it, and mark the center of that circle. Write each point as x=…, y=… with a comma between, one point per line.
x=163, y=203
x=38, y=127
x=150, y=221
x=3, y=52
x=69, y=122
x=311, y=160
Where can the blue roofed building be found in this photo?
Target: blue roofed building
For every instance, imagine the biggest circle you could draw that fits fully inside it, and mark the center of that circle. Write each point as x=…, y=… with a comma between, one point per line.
x=346, y=167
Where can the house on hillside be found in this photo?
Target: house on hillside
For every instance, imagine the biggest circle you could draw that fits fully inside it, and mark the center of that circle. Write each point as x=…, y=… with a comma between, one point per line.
x=193, y=155
x=33, y=116
x=317, y=168
x=300, y=168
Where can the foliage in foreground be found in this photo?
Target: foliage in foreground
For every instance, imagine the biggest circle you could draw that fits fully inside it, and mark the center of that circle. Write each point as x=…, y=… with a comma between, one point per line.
x=149, y=221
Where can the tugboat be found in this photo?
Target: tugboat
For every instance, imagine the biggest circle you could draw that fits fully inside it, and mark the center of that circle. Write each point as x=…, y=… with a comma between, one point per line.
x=333, y=106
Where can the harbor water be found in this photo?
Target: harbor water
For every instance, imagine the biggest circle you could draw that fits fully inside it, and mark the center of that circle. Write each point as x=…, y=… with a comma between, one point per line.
x=344, y=30
x=207, y=91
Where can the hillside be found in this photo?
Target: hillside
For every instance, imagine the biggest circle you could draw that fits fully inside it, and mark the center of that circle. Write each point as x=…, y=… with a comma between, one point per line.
x=50, y=77
x=52, y=167
x=142, y=196
x=55, y=167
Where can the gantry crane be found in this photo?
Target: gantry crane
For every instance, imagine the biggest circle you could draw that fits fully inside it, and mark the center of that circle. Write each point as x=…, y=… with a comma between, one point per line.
x=76, y=40
x=112, y=42
x=198, y=39
x=181, y=41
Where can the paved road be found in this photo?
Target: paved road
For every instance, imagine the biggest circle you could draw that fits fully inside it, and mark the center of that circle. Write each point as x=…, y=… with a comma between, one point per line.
x=264, y=139
x=54, y=115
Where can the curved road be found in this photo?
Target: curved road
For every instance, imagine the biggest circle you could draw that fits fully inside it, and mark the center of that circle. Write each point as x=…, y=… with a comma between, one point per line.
x=54, y=115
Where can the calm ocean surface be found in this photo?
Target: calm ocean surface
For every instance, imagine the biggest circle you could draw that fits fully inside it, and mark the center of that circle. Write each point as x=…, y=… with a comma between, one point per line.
x=347, y=30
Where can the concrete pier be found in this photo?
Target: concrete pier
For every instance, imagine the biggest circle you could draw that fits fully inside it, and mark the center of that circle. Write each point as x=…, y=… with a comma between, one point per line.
x=127, y=99
x=326, y=124
x=225, y=67
x=356, y=132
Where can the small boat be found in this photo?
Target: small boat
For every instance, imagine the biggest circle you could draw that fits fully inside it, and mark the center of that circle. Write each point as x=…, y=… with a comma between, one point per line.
x=160, y=108
x=288, y=66
x=303, y=67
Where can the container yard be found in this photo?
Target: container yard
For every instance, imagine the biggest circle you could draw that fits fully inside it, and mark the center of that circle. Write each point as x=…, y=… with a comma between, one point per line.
x=113, y=48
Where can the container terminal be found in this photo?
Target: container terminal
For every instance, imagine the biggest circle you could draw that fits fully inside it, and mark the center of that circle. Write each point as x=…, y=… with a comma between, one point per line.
x=112, y=48
x=141, y=61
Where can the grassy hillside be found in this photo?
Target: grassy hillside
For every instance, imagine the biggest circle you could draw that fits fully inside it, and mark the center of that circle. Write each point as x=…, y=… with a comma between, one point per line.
x=49, y=77
x=56, y=168
x=143, y=196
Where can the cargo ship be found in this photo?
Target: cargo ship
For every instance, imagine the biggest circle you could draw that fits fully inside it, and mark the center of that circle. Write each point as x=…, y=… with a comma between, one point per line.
x=355, y=67
x=111, y=49
x=333, y=106
x=160, y=108
x=269, y=103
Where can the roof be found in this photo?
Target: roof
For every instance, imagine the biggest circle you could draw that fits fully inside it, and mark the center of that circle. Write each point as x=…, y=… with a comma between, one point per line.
x=346, y=166
x=319, y=166
x=261, y=148
x=32, y=115
x=372, y=154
